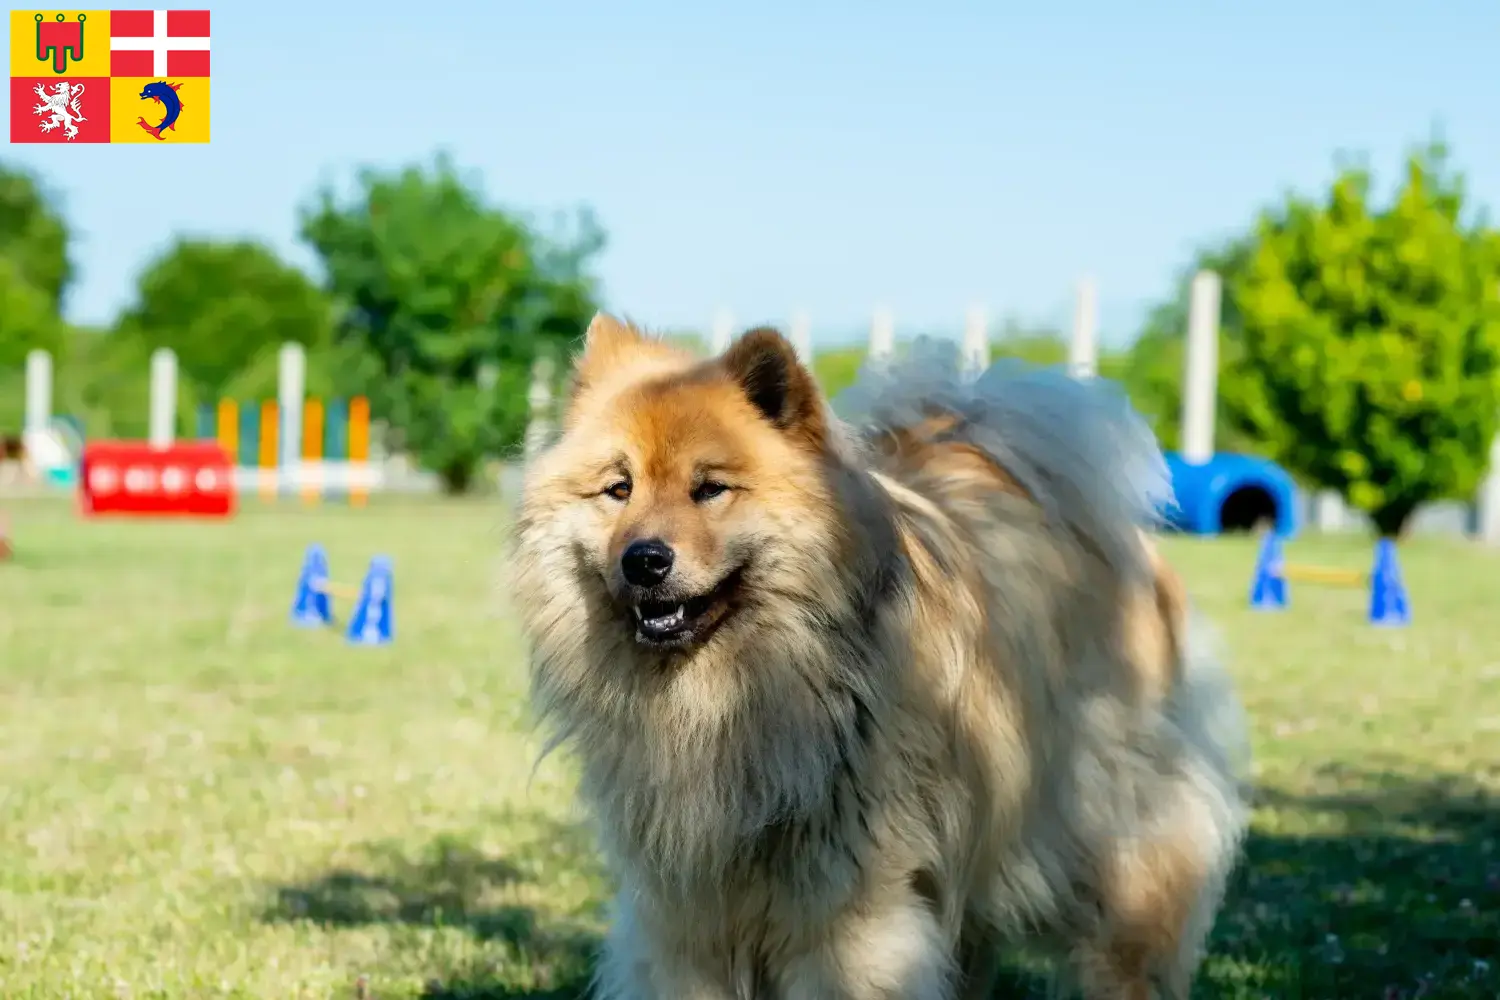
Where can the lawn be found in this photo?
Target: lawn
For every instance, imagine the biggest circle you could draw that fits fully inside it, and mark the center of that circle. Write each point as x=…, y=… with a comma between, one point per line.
x=197, y=800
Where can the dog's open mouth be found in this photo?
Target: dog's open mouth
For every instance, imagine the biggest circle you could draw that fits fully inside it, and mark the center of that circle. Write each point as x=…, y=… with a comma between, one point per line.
x=671, y=623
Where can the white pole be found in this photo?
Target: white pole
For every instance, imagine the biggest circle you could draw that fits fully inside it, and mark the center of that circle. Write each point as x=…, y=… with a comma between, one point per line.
x=162, y=428
x=1083, y=352
x=975, y=352
x=1488, y=520
x=1487, y=514
x=38, y=393
x=1328, y=511
x=539, y=403
x=291, y=388
x=882, y=335
x=801, y=336
x=722, y=332
x=1201, y=374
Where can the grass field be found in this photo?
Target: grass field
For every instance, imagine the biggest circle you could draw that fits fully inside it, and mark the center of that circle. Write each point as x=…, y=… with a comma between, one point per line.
x=197, y=800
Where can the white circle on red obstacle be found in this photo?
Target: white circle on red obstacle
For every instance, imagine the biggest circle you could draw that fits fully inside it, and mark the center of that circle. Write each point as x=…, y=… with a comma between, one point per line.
x=139, y=479
x=104, y=479
x=207, y=481
x=173, y=479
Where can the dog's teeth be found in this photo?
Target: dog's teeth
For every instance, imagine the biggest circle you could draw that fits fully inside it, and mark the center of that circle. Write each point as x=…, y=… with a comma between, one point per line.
x=674, y=617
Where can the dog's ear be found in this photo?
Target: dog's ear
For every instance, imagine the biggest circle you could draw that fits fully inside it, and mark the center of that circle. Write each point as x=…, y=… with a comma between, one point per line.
x=607, y=341
x=765, y=366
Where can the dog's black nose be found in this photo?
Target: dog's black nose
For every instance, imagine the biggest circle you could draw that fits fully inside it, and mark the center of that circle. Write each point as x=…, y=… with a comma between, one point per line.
x=646, y=563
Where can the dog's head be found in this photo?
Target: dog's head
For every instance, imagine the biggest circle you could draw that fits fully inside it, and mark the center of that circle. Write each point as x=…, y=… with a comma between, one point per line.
x=686, y=501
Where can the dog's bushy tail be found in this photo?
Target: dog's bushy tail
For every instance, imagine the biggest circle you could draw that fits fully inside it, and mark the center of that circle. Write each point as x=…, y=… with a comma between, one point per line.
x=1088, y=458
x=1077, y=446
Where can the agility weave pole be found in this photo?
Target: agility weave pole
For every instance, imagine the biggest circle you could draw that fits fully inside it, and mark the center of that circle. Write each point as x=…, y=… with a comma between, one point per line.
x=334, y=433
x=371, y=622
x=1388, y=604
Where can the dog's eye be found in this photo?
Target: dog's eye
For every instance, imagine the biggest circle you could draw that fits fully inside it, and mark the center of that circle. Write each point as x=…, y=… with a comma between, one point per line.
x=708, y=490
x=618, y=491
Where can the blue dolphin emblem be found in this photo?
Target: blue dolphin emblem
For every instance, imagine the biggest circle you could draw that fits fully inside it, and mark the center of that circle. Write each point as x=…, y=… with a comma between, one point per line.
x=164, y=94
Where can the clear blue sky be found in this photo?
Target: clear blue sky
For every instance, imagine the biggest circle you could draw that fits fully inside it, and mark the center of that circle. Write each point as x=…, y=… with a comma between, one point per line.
x=827, y=156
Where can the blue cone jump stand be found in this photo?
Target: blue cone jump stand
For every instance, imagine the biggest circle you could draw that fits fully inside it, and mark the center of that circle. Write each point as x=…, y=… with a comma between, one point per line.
x=313, y=605
x=372, y=622
x=1268, y=589
x=370, y=625
x=1388, y=599
x=1389, y=603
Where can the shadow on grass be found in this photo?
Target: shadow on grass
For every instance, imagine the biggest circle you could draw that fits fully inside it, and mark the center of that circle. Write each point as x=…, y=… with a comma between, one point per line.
x=529, y=950
x=1385, y=887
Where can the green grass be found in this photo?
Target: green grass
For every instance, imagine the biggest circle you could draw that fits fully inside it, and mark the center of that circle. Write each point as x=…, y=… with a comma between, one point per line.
x=197, y=800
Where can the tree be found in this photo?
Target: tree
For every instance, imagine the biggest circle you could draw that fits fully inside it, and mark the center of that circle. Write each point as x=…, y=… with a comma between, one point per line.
x=219, y=305
x=28, y=321
x=34, y=270
x=1371, y=341
x=33, y=235
x=28, y=318
x=333, y=371
x=107, y=384
x=436, y=285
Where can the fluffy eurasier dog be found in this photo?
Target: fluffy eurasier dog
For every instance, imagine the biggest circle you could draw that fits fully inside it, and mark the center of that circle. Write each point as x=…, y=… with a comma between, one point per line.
x=858, y=702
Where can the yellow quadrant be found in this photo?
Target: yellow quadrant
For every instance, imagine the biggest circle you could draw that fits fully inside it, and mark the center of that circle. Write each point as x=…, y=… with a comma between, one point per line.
x=23, y=44
x=127, y=109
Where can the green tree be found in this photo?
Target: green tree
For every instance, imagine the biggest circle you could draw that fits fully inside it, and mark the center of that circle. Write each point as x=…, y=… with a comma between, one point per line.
x=33, y=235
x=28, y=318
x=333, y=371
x=837, y=368
x=436, y=284
x=1036, y=344
x=1370, y=336
x=107, y=383
x=34, y=271
x=220, y=305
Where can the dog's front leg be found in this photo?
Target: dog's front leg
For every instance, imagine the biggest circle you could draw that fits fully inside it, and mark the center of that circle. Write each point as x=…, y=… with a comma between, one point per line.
x=892, y=950
x=633, y=966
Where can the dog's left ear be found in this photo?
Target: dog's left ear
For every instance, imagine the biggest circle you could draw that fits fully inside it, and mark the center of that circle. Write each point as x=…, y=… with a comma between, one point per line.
x=765, y=366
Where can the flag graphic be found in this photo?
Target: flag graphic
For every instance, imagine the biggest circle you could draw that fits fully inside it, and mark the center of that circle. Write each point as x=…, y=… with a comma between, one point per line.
x=137, y=76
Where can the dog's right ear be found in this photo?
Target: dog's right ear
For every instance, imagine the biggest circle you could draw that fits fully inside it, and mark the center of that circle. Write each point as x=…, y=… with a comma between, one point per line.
x=606, y=342
x=765, y=366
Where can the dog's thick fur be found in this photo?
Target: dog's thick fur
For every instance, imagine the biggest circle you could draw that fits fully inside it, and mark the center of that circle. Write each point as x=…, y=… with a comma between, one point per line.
x=950, y=695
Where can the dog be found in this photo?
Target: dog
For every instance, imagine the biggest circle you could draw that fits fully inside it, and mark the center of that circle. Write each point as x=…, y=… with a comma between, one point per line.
x=862, y=698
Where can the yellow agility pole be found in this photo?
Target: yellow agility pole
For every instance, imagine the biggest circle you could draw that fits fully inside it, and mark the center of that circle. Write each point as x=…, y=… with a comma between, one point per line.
x=1325, y=574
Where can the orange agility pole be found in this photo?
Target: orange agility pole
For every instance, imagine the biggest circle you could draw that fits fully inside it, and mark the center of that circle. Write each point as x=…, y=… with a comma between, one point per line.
x=269, y=439
x=312, y=450
x=228, y=429
x=359, y=447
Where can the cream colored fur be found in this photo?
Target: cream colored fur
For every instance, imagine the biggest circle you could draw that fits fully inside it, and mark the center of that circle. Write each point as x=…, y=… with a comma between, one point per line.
x=931, y=727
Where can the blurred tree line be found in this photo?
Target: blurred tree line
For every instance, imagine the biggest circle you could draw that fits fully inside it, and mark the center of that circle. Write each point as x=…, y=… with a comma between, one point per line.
x=426, y=285
x=1359, y=342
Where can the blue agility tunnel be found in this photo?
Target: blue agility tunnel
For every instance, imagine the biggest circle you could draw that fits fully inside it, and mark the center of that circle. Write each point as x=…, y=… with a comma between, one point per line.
x=1231, y=493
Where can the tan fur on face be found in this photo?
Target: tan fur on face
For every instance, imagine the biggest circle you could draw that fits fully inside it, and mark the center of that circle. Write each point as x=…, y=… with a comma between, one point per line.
x=955, y=696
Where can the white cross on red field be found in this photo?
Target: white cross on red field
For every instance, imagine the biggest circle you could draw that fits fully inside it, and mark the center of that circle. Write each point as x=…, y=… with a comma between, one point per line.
x=158, y=43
